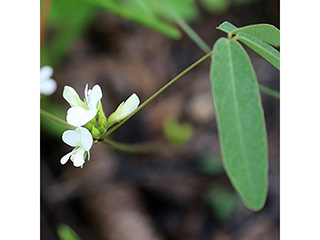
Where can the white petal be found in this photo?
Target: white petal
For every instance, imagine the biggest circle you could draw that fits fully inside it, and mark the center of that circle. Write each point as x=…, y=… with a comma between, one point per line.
x=86, y=138
x=129, y=106
x=46, y=72
x=72, y=137
x=65, y=158
x=48, y=86
x=78, y=157
x=78, y=116
x=86, y=93
x=95, y=96
x=72, y=97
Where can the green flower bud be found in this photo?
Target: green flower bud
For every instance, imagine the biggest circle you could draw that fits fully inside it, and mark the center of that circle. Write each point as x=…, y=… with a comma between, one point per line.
x=95, y=132
x=124, y=109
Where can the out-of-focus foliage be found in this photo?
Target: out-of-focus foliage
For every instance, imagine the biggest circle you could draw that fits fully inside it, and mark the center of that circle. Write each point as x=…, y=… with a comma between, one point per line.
x=216, y=6
x=67, y=20
x=66, y=233
x=177, y=133
x=211, y=164
x=223, y=202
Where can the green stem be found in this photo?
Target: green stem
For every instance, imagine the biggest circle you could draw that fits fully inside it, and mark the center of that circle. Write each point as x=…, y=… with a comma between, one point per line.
x=132, y=148
x=192, y=34
x=50, y=116
x=157, y=93
x=269, y=91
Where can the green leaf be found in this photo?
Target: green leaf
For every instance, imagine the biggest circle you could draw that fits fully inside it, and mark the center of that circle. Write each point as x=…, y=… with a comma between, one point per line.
x=66, y=233
x=223, y=202
x=271, y=54
x=135, y=13
x=227, y=27
x=265, y=32
x=216, y=6
x=68, y=20
x=240, y=121
x=177, y=133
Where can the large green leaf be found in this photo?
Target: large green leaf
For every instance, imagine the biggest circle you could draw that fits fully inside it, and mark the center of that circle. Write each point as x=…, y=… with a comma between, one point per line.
x=271, y=54
x=265, y=32
x=240, y=120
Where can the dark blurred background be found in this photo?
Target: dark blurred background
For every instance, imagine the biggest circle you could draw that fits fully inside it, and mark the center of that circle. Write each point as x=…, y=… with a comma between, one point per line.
x=180, y=190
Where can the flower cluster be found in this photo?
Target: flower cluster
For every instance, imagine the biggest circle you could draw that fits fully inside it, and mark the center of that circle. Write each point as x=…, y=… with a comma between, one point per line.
x=89, y=113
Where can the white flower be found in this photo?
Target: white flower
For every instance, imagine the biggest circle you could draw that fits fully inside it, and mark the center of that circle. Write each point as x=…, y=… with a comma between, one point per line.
x=125, y=108
x=82, y=112
x=47, y=84
x=81, y=139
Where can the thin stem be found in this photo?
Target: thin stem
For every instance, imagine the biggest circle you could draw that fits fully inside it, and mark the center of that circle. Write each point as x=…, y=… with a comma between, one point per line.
x=133, y=148
x=157, y=93
x=50, y=116
x=269, y=91
x=192, y=34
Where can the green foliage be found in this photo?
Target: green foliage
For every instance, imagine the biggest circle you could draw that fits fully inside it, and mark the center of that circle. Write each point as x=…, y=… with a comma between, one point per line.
x=66, y=233
x=257, y=37
x=265, y=32
x=67, y=19
x=227, y=27
x=223, y=202
x=240, y=120
x=133, y=11
x=269, y=53
x=177, y=133
x=216, y=6
x=211, y=164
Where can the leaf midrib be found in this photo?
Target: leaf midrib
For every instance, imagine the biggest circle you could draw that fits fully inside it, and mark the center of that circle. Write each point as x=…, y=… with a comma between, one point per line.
x=238, y=117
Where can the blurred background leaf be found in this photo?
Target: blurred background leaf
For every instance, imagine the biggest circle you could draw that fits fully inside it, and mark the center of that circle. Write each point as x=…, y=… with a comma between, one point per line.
x=223, y=202
x=67, y=21
x=211, y=164
x=216, y=6
x=66, y=233
x=177, y=133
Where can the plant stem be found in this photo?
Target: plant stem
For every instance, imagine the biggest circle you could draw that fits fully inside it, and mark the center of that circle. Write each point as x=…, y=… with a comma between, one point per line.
x=269, y=91
x=157, y=93
x=192, y=34
x=132, y=148
x=50, y=116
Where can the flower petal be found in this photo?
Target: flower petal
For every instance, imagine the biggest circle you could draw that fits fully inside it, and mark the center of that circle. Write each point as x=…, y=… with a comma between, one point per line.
x=48, y=86
x=46, y=72
x=78, y=116
x=78, y=157
x=72, y=137
x=65, y=158
x=85, y=138
x=72, y=97
x=95, y=96
x=129, y=106
x=86, y=93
